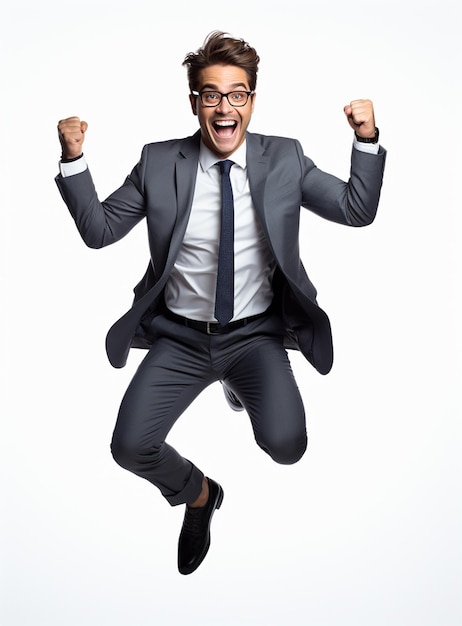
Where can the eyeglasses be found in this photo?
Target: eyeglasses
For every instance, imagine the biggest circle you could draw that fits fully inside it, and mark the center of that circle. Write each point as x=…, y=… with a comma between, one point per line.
x=213, y=98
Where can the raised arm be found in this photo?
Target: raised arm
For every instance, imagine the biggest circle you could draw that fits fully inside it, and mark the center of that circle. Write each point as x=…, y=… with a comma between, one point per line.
x=355, y=202
x=99, y=223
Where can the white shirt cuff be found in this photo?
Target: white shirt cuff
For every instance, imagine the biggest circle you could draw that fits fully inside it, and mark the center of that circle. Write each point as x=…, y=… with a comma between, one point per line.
x=72, y=168
x=372, y=148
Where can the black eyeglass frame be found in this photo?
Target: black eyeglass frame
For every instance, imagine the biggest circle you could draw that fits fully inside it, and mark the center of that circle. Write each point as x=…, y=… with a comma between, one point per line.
x=222, y=95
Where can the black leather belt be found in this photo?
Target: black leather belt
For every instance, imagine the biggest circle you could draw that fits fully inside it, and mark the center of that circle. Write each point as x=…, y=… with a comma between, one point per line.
x=212, y=328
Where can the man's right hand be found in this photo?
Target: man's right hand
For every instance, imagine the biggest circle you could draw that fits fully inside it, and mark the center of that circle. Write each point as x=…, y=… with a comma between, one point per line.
x=71, y=132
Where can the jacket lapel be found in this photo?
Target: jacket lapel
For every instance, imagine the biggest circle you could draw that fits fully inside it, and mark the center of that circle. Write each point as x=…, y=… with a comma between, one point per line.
x=185, y=181
x=258, y=164
x=257, y=168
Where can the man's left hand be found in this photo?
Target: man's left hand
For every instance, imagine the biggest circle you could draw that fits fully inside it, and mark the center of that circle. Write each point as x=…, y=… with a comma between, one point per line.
x=360, y=116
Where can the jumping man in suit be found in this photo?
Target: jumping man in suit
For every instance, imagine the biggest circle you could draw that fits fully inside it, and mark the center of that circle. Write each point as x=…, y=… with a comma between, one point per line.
x=225, y=293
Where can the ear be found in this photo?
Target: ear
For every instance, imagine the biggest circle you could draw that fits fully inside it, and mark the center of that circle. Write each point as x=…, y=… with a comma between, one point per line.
x=193, y=103
x=253, y=101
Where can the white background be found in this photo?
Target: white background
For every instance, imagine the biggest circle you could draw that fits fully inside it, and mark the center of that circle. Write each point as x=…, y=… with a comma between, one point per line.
x=366, y=529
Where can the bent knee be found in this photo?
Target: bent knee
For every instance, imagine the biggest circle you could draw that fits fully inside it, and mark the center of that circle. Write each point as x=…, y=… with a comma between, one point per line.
x=131, y=457
x=286, y=451
x=122, y=454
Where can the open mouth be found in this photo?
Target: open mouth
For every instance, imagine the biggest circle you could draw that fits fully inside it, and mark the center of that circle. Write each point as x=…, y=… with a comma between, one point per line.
x=224, y=128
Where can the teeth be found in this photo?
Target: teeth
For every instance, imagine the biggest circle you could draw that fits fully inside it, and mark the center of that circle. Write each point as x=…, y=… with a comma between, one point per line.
x=225, y=123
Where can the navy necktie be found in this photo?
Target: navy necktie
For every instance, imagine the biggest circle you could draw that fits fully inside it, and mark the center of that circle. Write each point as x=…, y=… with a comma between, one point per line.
x=224, y=298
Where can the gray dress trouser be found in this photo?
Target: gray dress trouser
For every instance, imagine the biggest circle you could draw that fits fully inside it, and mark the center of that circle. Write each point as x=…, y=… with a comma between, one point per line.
x=182, y=362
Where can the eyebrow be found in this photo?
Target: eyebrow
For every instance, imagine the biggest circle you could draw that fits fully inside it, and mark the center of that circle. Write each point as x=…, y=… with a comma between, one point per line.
x=215, y=88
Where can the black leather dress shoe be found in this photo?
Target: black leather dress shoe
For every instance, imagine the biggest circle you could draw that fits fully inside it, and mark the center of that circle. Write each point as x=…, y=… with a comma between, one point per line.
x=194, y=540
x=232, y=399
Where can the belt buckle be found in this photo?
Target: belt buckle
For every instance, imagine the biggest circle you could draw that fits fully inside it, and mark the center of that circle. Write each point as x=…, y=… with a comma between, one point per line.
x=209, y=330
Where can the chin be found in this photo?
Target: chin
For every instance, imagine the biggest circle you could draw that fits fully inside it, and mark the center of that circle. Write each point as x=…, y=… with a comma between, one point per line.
x=229, y=148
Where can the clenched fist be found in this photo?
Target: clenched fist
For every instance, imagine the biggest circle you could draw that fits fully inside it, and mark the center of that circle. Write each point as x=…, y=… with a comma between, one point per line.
x=360, y=116
x=71, y=132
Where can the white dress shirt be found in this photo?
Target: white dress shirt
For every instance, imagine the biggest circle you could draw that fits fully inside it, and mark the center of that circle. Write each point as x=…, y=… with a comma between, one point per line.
x=190, y=290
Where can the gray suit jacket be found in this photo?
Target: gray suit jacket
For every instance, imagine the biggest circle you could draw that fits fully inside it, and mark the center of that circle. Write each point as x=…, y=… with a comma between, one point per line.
x=160, y=188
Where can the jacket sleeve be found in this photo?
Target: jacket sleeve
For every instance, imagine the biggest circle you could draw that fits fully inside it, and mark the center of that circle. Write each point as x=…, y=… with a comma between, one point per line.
x=103, y=223
x=353, y=203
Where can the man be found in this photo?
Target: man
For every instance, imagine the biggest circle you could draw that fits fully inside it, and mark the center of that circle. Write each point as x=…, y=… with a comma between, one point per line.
x=225, y=291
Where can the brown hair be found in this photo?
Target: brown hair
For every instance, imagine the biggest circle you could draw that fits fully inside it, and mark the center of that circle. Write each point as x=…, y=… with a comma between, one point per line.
x=221, y=49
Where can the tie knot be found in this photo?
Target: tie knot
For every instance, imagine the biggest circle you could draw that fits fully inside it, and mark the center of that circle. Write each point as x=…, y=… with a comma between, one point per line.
x=225, y=166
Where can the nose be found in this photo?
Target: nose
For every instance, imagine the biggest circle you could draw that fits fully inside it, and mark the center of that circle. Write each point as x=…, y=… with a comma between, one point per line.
x=224, y=106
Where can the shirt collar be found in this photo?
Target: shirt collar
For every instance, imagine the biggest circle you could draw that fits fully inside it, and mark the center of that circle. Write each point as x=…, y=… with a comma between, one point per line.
x=207, y=158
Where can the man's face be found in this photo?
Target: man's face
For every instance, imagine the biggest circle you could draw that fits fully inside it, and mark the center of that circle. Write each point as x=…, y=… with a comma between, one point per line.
x=223, y=127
